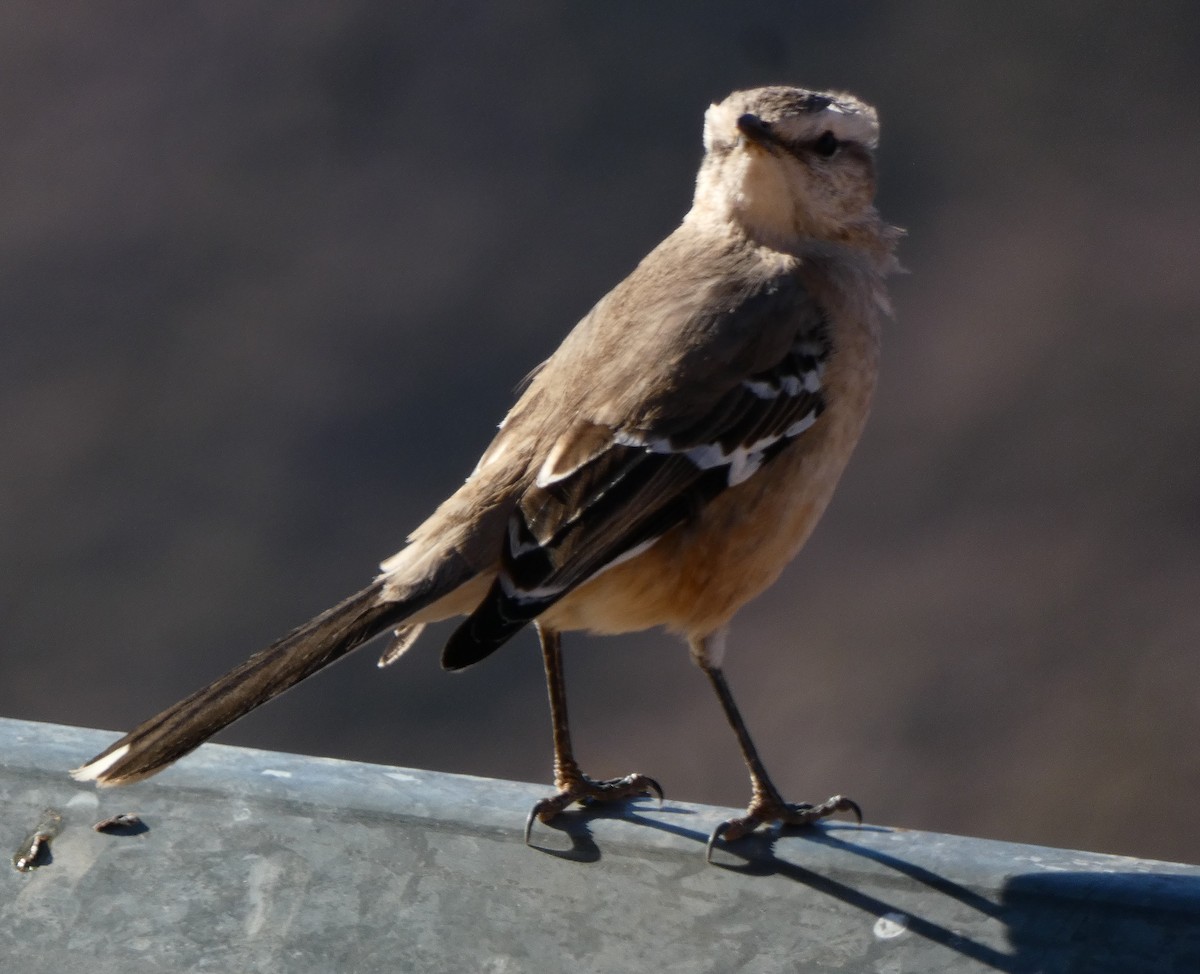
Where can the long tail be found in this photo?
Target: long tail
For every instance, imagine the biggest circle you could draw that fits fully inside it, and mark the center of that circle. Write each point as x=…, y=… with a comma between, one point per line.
x=163, y=739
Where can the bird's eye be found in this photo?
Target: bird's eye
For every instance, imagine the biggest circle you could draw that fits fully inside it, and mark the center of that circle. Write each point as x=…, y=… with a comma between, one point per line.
x=826, y=145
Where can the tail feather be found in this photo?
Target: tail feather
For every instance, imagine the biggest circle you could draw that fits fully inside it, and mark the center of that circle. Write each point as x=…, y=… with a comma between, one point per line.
x=493, y=623
x=401, y=642
x=179, y=729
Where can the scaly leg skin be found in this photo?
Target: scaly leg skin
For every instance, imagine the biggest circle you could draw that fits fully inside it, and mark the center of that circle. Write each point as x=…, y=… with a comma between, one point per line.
x=571, y=783
x=766, y=804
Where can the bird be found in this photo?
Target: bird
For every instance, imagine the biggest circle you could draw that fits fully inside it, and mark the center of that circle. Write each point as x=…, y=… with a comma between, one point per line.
x=659, y=469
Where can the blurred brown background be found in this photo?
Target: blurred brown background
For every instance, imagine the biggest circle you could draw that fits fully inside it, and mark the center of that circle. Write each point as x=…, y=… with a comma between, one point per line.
x=271, y=273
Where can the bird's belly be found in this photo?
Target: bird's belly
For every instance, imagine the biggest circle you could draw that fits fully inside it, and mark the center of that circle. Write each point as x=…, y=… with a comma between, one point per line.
x=699, y=574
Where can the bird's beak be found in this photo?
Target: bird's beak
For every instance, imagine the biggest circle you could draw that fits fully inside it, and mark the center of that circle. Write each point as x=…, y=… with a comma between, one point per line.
x=755, y=131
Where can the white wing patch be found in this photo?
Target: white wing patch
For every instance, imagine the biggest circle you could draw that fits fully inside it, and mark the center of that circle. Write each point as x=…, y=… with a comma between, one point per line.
x=789, y=385
x=745, y=459
x=526, y=596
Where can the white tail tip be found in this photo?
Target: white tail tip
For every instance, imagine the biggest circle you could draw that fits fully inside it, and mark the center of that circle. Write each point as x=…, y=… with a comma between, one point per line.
x=93, y=771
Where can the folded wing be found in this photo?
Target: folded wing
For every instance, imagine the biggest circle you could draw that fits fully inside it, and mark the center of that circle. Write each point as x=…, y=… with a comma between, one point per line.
x=607, y=492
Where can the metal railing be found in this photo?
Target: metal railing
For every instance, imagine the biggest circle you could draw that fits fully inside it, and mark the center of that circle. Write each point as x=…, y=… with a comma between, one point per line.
x=252, y=861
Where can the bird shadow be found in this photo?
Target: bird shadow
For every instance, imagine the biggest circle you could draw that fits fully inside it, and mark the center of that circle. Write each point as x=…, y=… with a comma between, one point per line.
x=1049, y=920
x=757, y=857
x=575, y=823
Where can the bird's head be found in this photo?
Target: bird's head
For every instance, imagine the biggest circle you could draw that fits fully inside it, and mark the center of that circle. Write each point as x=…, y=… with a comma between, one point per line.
x=786, y=165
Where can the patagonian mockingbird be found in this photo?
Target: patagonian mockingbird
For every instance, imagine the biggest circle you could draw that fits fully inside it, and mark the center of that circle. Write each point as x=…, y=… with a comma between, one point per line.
x=661, y=467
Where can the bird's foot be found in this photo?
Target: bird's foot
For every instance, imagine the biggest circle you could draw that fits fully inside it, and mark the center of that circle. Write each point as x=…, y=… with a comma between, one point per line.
x=771, y=808
x=580, y=788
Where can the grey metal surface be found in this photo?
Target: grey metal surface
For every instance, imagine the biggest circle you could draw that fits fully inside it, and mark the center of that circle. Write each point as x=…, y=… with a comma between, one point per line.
x=257, y=861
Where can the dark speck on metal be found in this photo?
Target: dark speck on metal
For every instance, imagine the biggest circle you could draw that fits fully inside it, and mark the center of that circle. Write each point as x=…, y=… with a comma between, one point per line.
x=123, y=823
x=266, y=862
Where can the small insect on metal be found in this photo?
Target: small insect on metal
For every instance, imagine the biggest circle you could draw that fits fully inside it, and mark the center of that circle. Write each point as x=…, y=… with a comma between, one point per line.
x=30, y=851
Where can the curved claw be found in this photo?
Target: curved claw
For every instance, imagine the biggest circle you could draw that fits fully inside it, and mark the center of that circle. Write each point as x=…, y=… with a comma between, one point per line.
x=653, y=788
x=529, y=822
x=553, y=805
x=733, y=829
x=849, y=805
x=719, y=831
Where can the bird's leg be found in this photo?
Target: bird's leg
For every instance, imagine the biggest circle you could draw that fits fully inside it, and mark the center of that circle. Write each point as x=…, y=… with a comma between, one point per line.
x=766, y=804
x=571, y=783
